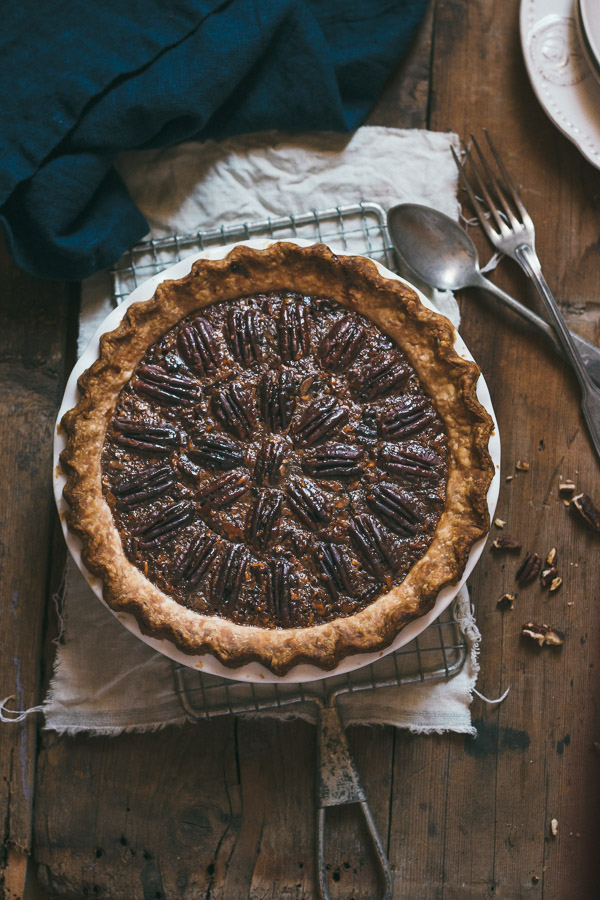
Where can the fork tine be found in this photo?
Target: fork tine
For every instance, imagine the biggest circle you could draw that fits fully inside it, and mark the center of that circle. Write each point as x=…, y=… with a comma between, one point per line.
x=492, y=206
x=525, y=217
x=496, y=186
x=479, y=210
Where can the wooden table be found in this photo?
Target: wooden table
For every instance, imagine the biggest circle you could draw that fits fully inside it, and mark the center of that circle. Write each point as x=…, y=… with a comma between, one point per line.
x=225, y=809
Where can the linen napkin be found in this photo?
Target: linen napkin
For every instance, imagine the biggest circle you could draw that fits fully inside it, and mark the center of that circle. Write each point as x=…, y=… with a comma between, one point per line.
x=105, y=680
x=81, y=82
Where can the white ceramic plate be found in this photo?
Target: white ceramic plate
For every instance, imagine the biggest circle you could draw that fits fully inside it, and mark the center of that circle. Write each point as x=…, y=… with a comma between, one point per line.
x=207, y=663
x=587, y=18
x=559, y=73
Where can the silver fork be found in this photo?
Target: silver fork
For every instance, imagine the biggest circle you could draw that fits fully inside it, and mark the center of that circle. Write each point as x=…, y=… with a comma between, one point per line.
x=514, y=235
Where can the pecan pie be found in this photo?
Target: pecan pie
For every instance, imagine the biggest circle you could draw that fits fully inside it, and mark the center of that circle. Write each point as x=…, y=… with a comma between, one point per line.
x=279, y=457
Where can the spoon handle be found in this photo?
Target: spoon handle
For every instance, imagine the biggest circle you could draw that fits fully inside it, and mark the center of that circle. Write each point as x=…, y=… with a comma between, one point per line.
x=590, y=354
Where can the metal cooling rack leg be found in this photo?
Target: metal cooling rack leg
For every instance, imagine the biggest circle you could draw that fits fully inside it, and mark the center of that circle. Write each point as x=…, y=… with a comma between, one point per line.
x=339, y=785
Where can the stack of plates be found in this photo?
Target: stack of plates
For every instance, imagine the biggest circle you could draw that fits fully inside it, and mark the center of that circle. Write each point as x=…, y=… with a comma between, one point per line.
x=588, y=26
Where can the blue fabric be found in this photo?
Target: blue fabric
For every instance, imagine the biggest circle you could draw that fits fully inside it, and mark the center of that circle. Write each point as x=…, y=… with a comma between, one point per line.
x=81, y=81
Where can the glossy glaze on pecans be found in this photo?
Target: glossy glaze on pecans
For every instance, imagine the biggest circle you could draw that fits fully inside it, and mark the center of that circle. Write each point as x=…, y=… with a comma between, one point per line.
x=275, y=461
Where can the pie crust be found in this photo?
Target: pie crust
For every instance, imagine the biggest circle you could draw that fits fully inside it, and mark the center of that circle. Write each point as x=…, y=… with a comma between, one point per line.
x=427, y=340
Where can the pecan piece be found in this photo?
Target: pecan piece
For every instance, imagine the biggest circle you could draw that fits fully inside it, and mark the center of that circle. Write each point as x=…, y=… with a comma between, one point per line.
x=373, y=546
x=309, y=504
x=150, y=482
x=277, y=399
x=222, y=492
x=243, y=335
x=294, y=330
x=198, y=347
x=529, y=568
x=228, y=581
x=195, y=562
x=335, y=570
x=145, y=435
x=506, y=601
x=160, y=525
x=543, y=634
x=507, y=543
x=233, y=407
x=278, y=589
x=172, y=390
x=334, y=461
x=320, y=420
x=269, y=462
x=395, y=508
x=216, y=451
x=548, y=575
x=263, y=520
x=384, y=374
x=412, y=462
x=584, y=507
x=341, y=345
x=402, y=421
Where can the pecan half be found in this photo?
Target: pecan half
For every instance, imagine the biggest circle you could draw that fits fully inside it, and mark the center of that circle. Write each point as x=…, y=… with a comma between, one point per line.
x=160, y=525
x=402, y=421
x=270, y=460
x=263, y=519
x=198, y=347
x=584, y=507
x=172, y=390
x=278, y=589
x=234, y=408
x=230, y=575
x=294, y=330
x=243, y=335
x=395, y=508
x=145, y=435
x=507, y=543
x=277, y=399
x=384, y=374
x=366, y=430
x=412, y=462
x=309, y=504
x=222, y=492
x=334, y=461
x=335, y=570
x=529, y=568
x=150, y=482
x=341, y=345
x=320, y=420
x=373, y=546
x=195, y=562
x=543, y=634
x=215, y=451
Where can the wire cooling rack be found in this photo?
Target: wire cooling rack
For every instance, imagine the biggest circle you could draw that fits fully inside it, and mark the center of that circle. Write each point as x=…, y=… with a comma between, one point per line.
x=440, y=651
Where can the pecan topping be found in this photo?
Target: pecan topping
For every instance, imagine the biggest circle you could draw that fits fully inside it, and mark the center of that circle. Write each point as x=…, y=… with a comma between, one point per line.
x=216, y=451
x=373, y=546
x=161, y=524
x=506, y=542
x=395, y=508
x=279, y=576
x=412, y=462
x=277, y=399
x=506, y=601
x=196, y=560
x=150, y=482
x=543, y=634
x=401, y=421
x=379, y=378
x=529, y=568
x=334, y=461
x=173, y=390
x=269, y=462
x=583, y=506
x=309, y=504
x=366, y=430
x=232, y=568
x=294, y=331
x=320, y=420
x=263, y=520
x=341, y=345
x=243, y=335
x=198, y=347
x=144, y=435
x=335, y=569
x=222, y=492
x=233, y=407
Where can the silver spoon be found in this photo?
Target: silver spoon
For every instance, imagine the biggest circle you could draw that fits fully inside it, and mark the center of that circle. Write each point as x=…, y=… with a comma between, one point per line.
x=437, y=249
